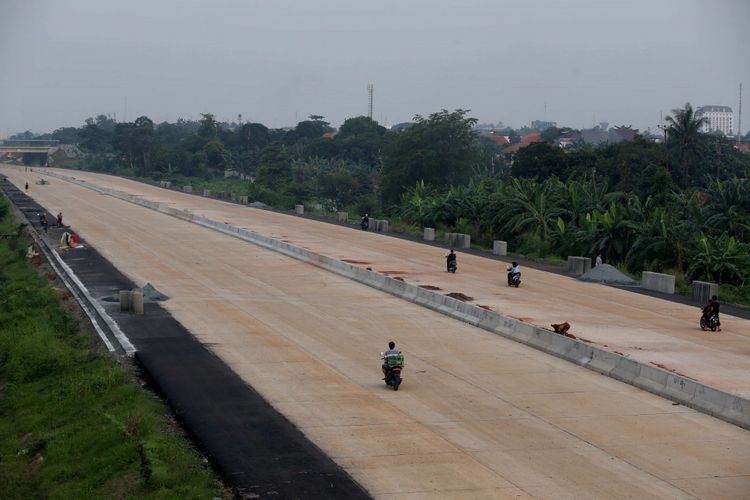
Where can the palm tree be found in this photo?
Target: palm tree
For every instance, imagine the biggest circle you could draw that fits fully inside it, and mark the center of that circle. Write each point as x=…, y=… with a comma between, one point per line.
x=420, y=204
x=657, y=241
x=728, y=208
x=608, y=233
x=587, y=195
x=682, y=135
x=722, y=259
x=530, y=206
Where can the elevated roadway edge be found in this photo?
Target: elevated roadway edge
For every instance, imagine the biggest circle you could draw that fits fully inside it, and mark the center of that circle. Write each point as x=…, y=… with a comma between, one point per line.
x=720, y=404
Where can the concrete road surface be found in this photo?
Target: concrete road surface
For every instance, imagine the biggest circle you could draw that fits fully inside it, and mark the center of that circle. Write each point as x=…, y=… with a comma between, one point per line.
x=478, y=416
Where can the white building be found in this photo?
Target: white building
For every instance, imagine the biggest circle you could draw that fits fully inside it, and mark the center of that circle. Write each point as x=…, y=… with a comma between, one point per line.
x=719, y=118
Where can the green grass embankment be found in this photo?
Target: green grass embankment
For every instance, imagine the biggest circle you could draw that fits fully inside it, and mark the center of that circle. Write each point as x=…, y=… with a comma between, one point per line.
x=75, y=423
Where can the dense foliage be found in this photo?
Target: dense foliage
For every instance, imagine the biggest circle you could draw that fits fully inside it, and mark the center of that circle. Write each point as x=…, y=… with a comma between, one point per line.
x=681, y=205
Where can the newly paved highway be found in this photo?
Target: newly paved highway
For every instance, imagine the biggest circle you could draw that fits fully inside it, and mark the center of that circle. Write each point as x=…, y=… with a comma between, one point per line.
x=478, y=416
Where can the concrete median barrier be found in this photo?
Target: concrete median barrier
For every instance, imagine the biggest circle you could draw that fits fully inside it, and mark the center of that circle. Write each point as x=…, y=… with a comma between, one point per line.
x=703, y=290
x=499, y=247
x=379, y=225
x=458, y=240
x=579, y=265
x=675, y=387
x=658, y=282
x=429, y=234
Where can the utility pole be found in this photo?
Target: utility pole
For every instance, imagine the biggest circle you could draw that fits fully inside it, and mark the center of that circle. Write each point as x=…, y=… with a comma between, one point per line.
x=739, y=119
x=369, y=100
x=664, y=129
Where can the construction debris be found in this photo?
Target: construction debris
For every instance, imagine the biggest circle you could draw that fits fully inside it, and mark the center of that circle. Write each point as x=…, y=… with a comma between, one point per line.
x=562, y=329
x=606, y=273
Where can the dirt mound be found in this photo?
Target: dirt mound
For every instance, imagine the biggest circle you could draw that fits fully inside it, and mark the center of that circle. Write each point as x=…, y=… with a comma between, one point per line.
x=430, y=287
x=460, y=296
x=604, y=273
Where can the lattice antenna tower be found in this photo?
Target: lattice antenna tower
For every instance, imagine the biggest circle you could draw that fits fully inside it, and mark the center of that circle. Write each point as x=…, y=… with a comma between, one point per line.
x=369, y=100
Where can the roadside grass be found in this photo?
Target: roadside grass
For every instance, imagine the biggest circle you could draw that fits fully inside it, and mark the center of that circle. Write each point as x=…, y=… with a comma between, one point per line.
x=74, y=423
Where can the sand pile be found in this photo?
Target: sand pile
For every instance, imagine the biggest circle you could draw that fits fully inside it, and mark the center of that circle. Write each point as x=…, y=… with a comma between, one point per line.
x=604, y=273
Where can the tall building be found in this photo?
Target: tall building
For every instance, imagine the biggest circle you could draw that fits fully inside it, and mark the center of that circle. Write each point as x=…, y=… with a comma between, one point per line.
x=541, y=125
x=719, y=118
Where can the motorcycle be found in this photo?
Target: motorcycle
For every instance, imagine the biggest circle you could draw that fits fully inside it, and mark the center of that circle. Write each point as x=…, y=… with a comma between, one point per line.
x=515, y=279
x=452, y=266
x=365, y=224
x=393, y=370
x=710, y=323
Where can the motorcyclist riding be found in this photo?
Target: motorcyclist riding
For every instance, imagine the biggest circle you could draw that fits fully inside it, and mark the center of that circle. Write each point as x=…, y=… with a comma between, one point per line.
x=711, y=310
x=450, y=260
x=514, y=269
x=393, y=363
x=365, y=222
x=392, y=351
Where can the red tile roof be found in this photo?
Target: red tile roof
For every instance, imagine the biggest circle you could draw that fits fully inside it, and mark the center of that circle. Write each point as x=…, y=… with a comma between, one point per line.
x=525, y=141
x=499, y=139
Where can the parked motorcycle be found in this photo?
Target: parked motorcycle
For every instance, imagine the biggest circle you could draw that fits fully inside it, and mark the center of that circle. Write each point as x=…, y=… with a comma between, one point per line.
x=393, y=370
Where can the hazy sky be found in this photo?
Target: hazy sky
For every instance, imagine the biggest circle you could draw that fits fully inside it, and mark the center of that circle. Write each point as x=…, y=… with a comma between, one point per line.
x=278, y=61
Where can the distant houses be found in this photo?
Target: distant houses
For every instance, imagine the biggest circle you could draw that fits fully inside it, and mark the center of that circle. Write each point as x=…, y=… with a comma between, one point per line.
x=527, y=139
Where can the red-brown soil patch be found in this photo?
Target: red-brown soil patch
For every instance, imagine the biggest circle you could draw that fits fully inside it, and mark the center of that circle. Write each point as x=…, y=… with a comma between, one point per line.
x=430, y=287
x=460, y=296
x=391, y=273
x=352, y=261
x=671, y=370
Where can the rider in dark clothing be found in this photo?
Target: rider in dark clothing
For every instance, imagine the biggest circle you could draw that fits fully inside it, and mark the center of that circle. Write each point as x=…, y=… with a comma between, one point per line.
x=451, y=257
x=712, y=309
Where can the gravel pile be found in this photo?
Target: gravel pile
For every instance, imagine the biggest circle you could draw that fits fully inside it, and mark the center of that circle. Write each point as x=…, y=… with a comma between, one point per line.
x=604, y=273
x=151, y=294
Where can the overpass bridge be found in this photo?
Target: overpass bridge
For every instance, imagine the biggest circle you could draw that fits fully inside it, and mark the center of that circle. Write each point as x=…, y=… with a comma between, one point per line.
x=23, y=146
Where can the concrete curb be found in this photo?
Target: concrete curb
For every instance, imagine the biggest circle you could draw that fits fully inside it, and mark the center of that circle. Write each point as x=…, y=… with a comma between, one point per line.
x=706, y=399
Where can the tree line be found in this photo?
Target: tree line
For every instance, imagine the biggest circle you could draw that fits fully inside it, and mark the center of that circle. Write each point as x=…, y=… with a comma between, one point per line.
x=680, y=205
